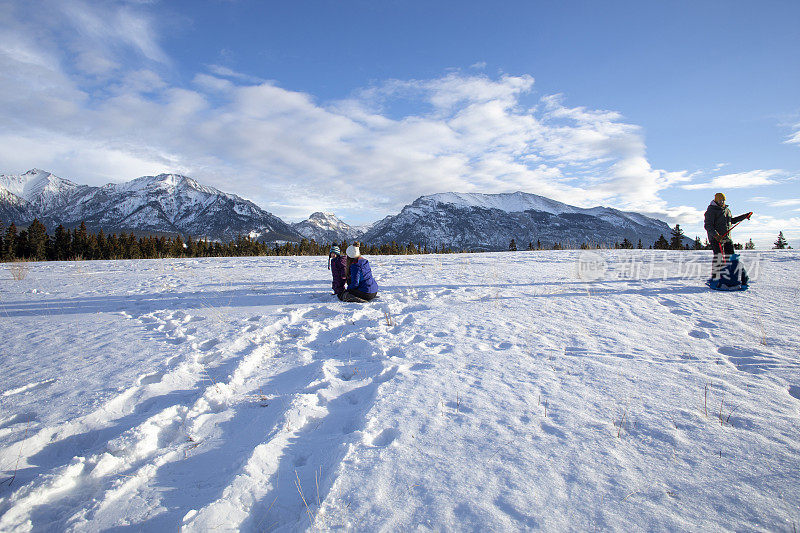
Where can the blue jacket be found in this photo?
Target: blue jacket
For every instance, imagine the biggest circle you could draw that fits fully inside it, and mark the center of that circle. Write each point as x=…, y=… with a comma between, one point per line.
x=361, y=277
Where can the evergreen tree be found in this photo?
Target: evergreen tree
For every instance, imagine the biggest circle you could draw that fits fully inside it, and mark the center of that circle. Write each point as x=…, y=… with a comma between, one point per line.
x=640, y=246
x=676, y=242
x=62, y=244
x=750, y=245
x=22, y=251
x=781, y=243
x=697, y=244
x=512, y=247
x=626, y=244
x=10, y=243
x=80, y=241
x=661, y=243
x=37, y=240
x=102, y=245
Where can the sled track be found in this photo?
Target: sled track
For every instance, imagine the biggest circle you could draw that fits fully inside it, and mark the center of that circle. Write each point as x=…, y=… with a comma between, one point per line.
x=274, y=393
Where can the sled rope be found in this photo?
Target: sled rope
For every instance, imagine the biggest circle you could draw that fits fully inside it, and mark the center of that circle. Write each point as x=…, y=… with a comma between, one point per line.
x=719, y=242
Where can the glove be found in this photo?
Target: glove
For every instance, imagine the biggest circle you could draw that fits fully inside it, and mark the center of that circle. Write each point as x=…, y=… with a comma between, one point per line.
x=749, y=215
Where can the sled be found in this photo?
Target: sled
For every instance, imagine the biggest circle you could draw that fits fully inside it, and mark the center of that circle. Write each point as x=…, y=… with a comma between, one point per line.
x=733, y=277
x=717, y=286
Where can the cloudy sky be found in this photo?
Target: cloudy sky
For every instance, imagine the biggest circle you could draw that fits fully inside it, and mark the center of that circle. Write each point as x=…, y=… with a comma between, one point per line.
x=359, y=107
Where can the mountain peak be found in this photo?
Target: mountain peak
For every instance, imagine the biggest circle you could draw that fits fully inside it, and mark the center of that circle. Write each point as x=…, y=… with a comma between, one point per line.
x=38, y=186
x=514, y=202
x=326, y=228
x=319, y=215
x=37, y=171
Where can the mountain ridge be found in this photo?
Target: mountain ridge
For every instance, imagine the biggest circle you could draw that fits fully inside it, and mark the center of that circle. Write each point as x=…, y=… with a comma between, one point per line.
x=166, y=203
x=488, y=222
x=171, y=203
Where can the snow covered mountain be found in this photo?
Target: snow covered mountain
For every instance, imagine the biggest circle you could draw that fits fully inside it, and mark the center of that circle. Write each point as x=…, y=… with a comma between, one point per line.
x=34, y=193
x=490, y=221
x=167, y=203
x=326, y=228
x=175, y=204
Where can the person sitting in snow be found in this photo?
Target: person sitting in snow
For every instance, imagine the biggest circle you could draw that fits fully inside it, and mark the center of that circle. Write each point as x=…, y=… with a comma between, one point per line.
x=361, y=286
x=337, y=264
x=718, y=224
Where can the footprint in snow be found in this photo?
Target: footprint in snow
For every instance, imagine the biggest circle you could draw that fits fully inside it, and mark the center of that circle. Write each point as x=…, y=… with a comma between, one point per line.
x=20, y=418
x=747, y=361
x=149, y=379
x=697, y=334
x=384, y=438
x=207, y=345
x=794, y=391
x=386, y=375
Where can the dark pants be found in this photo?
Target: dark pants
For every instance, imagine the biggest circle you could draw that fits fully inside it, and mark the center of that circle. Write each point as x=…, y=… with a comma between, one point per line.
x=721, y=255
x=346, y=296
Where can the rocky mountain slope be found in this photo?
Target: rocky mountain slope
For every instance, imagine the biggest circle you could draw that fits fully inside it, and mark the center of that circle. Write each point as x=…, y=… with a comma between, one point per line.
x=164, y=204
x=490, y=221
x=326, y=228
x=178, y=205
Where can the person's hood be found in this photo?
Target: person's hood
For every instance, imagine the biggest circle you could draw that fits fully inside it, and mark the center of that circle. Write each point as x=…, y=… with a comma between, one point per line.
x=715, y=204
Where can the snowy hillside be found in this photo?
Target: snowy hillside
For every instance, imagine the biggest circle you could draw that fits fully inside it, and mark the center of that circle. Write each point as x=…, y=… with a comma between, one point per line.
x=167, y=203
x=326, y=228
x=490, y=221
x=40, y=188
x=34, y=193
x=509, y=202
x=492, y=392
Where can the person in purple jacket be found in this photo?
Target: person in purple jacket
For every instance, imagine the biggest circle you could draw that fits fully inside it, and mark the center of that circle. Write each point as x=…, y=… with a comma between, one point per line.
x=361, y=286
x=337, y=264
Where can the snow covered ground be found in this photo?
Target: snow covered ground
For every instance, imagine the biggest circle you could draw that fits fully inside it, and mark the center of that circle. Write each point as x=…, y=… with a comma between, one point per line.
x=508, y=391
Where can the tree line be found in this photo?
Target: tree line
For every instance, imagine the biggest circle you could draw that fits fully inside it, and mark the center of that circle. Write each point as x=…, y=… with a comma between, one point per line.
x=35, y=243
x=676, y=242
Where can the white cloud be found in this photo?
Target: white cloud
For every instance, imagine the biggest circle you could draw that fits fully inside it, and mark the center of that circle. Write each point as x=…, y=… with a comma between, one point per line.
x=753, y=178
x=763, y=229
x=225, y=72
x=363, y=157
x=794, y=138
x=789, y=202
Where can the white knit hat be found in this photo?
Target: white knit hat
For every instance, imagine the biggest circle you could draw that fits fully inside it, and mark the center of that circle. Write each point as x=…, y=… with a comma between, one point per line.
x=353, y=251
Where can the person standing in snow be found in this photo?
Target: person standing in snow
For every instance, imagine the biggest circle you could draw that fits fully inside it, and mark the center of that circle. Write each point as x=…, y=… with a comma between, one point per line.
x=718, y=224
x=361, y=286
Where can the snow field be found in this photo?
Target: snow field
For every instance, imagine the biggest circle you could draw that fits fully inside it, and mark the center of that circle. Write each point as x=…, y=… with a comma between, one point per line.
x=480, y=392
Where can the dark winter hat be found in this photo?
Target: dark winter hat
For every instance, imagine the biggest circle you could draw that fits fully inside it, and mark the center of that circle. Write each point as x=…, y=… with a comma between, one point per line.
x=335, y=250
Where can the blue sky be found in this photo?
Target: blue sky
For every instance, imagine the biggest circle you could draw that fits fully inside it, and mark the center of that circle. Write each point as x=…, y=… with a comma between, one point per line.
x=360, y=107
